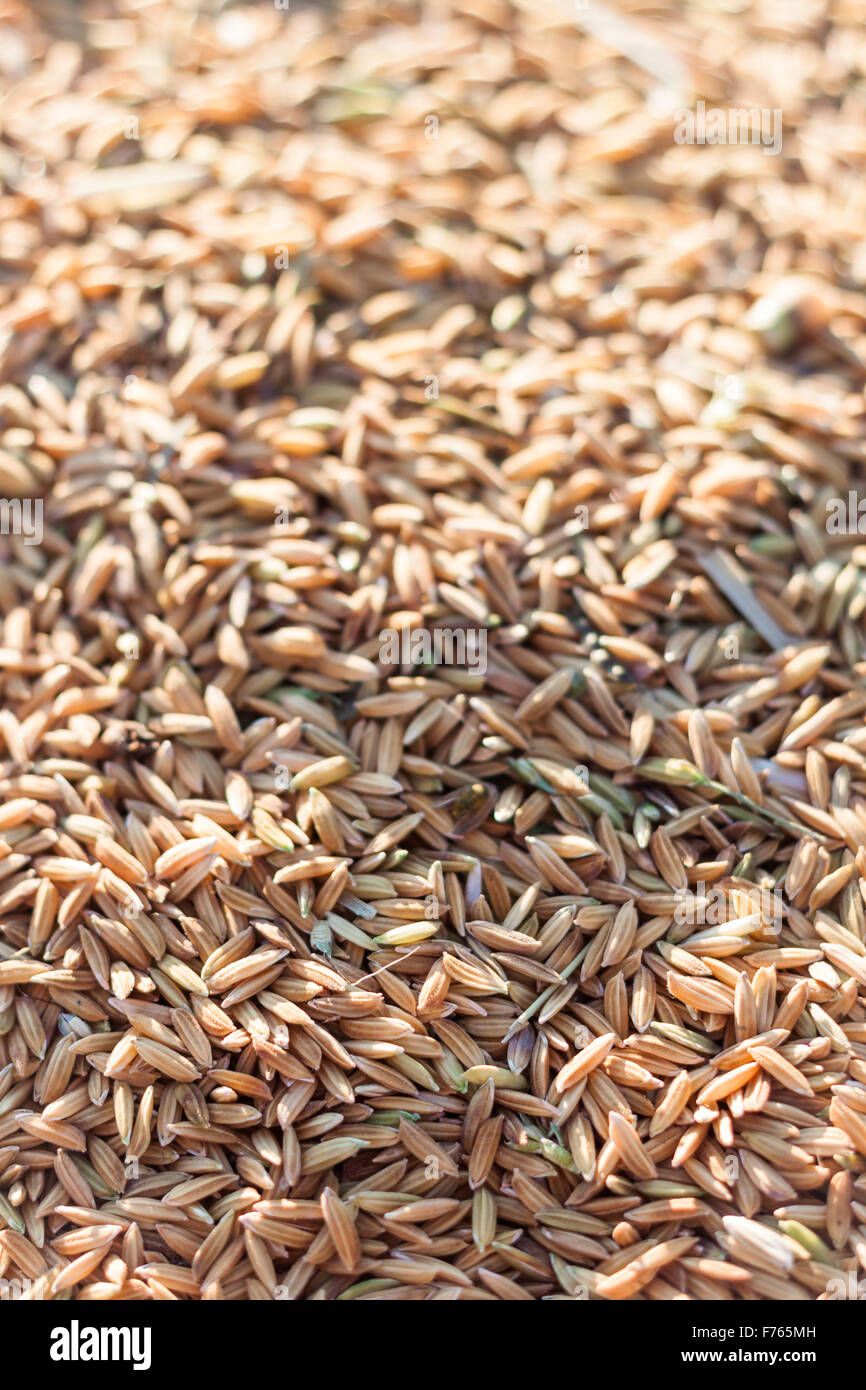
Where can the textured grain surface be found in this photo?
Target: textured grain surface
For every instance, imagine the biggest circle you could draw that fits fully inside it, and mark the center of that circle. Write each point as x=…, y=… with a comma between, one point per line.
x=433, y=818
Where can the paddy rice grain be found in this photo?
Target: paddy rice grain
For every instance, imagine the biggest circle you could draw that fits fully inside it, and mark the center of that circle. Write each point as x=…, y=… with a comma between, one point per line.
x=330, y=974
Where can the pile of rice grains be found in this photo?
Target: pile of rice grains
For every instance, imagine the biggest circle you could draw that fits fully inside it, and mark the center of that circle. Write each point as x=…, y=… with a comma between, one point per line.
x=432, y=743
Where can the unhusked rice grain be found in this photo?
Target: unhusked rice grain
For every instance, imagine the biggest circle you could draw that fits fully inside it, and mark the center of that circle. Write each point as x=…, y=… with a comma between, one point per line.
x=432, y=764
